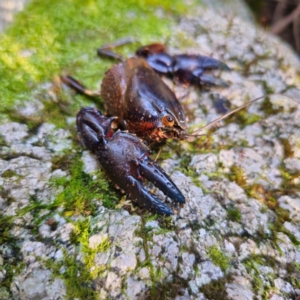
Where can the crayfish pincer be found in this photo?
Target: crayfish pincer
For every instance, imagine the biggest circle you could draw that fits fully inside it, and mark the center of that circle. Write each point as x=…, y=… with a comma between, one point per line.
x=125, y=160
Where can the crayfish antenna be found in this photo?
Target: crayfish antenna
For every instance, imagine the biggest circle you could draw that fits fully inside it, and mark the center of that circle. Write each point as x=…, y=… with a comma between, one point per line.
x=196, y=133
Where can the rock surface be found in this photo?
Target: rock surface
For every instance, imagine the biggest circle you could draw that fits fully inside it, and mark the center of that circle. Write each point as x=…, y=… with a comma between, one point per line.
x=237, y=236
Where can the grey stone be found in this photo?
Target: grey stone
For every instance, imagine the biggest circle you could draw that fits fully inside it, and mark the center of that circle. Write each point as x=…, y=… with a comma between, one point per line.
x=89, y=162
x=204, y=162
x=283, y=286
x=208, y=272
x=292, y=164
x=124, y=262
x=240, y=288
x=113, y=284
x=13, y=132
x=292, y=205
x=135, y=288
x=144, y=273
x=36, y=284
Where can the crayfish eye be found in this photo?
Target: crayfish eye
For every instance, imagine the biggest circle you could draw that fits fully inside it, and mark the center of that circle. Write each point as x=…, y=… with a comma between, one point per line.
x=168, y=120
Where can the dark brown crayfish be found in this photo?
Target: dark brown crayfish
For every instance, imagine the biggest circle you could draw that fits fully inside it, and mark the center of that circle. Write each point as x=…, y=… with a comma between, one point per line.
x=125, y=160
x=137, y=98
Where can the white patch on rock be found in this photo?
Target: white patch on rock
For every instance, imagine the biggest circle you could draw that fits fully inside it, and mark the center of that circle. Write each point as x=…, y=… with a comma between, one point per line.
x=292, y=164
x=207, y=272
x=113, y=284
x=124, y=263
x=292, y=205
x=283, y=286
x=13, y=132
x=96, y=239
x=239, y=289
x=204, y=163
x=90, y=164
x=37, y=283
x=135, y=288
x=186, y=269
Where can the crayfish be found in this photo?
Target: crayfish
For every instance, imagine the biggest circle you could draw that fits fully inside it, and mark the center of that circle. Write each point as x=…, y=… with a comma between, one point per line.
x=142, y=104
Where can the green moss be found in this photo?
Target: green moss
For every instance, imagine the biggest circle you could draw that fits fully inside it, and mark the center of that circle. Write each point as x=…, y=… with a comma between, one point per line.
x=244, y=118
x=76, y=276
x=80, y=275
x=290, y=185
x=48, y=39
x=237, y=174
x=218, y=258
x=5, y=226
x=166, y=223
x=81, y=235
x=159, y=289
x=262, y=285
x=9, y=174
x=216, y=289
x=12, y=266
x=268, y=107
x=189, y=171
x=80, y=189
x=167, y=290
x=293, y=274
x=2, y=141
x=12, y=269
x=234, y=214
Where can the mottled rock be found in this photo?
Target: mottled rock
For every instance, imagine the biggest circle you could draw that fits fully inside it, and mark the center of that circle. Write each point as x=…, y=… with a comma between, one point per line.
x=13, y=132
x=208, y=272
x=204, y=162
x=240, y=288
x=175, y=248
x=135, y=288
x=89, y=162
x=113, y=284
x=37, y=283
x=292, y=205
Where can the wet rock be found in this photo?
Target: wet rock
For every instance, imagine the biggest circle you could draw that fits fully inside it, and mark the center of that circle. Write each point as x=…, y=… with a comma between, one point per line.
x=124, y=262
x=292, y=164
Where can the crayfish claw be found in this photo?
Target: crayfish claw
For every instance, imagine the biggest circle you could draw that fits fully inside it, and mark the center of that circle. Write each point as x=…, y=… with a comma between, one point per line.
x=139, y=194
x=209, y=63
x=155, y=174
x=212, y=81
